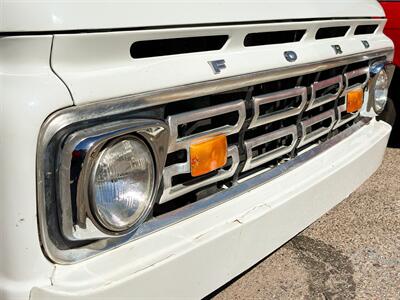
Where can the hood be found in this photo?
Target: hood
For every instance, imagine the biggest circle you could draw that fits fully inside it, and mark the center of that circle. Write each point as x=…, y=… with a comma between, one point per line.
x=71, y=15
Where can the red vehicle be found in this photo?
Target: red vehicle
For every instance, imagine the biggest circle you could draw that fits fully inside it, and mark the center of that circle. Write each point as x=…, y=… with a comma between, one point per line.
x=392, y=30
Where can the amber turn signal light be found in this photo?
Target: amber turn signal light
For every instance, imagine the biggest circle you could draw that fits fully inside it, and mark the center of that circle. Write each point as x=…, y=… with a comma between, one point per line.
x=354, y=100
x=208, y=155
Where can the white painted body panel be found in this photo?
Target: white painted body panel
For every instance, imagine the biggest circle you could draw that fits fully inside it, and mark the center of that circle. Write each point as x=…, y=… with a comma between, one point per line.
x=30, y=91
x=60, y=15
x=112, y=72
x=194, y=257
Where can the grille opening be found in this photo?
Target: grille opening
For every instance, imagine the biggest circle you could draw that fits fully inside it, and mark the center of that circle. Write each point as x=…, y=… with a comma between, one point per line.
x=207, y=124
x=162, y=210
x=273, y=145
x=163, y=47
x=341, y=101
x=204, y=102
x=345, y=115
x=280, y=106
x=275, y=86
x=323, y=124
x=264, y=167
x=331, y=32
x=273, y=37
x=318, y=110
x=260, y=130
x=330, y=73
x=365, y=29
x=357, y=80
x=187, y=179
x=357, y=66
x=330, y=90
x=177, y=157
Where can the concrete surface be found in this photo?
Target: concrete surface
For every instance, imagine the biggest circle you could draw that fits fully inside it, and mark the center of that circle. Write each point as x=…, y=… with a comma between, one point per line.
x=353, y=252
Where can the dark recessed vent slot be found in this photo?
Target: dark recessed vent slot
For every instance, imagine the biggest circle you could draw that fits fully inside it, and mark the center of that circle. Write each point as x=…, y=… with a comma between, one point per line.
x=365, y=29
x=176, y=158
x=187, y=178
x=333, y=89
x=204, y=125
x=323, y=124
x=357, y=80
x=153, y=48
x=285, y=141
x=280, y=106
x=331, y=32
x=275, y=37
x=357, y=65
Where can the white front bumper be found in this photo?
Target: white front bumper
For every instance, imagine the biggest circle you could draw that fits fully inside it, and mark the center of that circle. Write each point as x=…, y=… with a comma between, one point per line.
x=194, y=257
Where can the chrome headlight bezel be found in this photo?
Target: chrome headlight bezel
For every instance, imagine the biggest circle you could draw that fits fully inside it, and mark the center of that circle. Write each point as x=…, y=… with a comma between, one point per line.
x=78, y=220
x=376, y=69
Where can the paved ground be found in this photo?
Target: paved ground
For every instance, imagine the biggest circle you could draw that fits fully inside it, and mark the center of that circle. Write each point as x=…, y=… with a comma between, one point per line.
x=351, y=252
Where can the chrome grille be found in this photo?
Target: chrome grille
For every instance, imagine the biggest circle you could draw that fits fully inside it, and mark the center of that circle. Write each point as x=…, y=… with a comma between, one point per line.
x=270, y=127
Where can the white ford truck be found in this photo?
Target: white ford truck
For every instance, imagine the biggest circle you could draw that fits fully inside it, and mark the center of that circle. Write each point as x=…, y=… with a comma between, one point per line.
x=158, y=149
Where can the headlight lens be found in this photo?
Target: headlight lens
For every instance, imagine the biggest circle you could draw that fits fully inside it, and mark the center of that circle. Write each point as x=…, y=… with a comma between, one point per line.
x=381, y=91
x=122, y=184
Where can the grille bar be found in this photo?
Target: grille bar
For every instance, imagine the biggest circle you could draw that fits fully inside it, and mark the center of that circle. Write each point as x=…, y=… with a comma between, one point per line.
x=310, y=135
x=253, y=162
x=171, y=192
x=321, y=85
x=354, y=74
x=258, y=101
x=174, y=121
x=343, y=116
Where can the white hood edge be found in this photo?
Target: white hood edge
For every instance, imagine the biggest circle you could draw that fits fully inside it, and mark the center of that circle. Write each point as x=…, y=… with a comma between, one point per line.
x=61, y=15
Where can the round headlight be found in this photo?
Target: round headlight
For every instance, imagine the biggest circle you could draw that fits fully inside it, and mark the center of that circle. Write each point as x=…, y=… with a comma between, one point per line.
x=122, y=183
x=381, y=88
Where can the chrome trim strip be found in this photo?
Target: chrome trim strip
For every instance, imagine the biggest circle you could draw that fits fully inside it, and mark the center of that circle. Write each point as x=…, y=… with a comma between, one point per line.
x=317, y=86
x=275, y=97
x=252, y=162
x=113, y=107
x=309, y=137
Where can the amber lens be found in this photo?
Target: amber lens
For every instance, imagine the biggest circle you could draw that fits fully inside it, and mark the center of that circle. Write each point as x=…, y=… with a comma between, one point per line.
x=208, y=155
x=354, y=100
